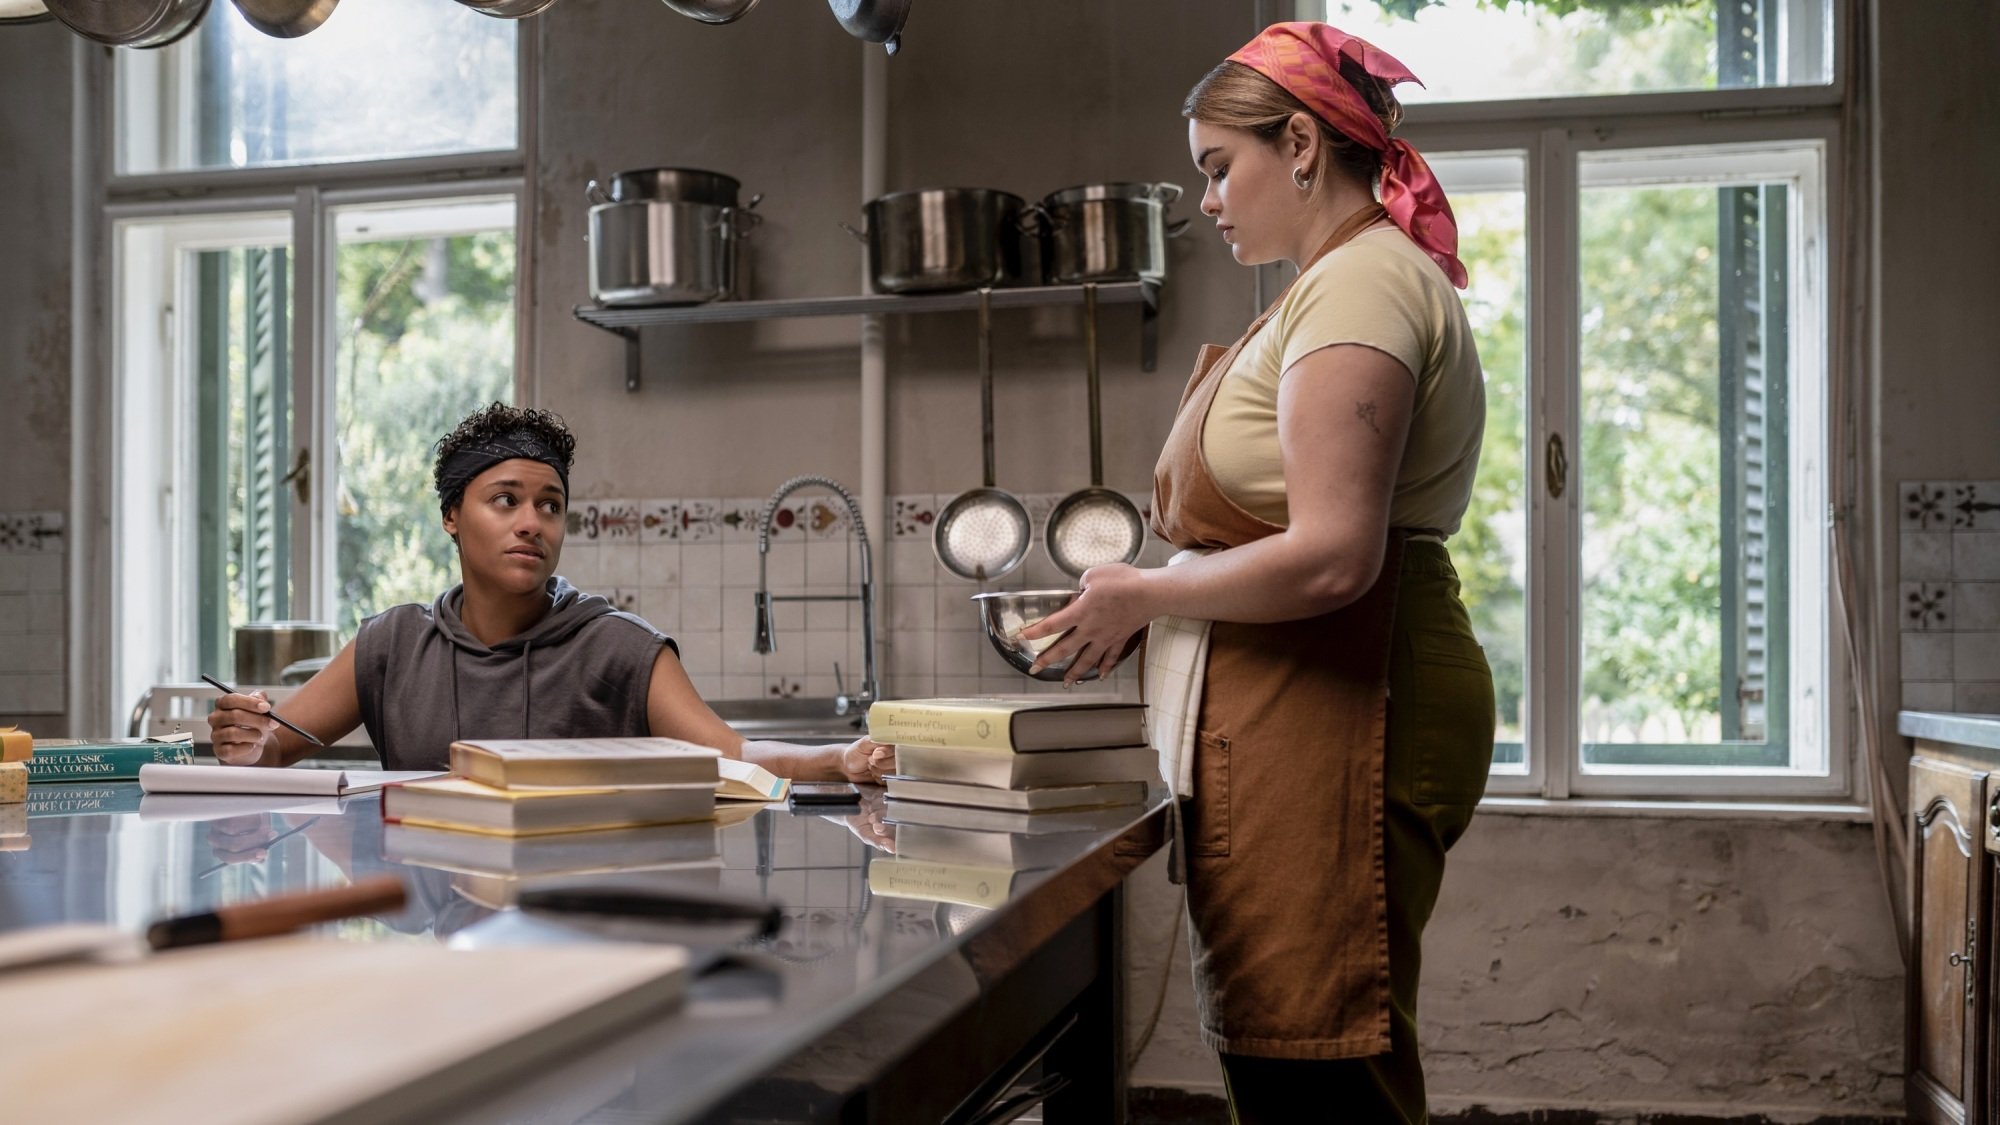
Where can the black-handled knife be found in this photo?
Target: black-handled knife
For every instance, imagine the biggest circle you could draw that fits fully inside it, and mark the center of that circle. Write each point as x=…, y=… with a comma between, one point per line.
x=678, y=906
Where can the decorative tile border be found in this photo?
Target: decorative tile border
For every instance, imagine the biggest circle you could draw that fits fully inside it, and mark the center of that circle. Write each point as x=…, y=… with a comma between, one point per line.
x=681, y=563
x=31, y=531
x=1948, y=594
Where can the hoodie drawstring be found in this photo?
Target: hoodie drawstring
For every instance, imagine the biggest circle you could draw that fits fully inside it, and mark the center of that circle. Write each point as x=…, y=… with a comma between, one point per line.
x=527, y=688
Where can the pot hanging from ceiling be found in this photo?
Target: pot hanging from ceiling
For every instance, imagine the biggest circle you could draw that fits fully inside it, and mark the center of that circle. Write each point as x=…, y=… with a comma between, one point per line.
x=875, y=21
x=129, y=23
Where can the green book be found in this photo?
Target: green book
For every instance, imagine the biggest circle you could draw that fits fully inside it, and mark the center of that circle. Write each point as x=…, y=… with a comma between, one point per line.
x=83, y=800
x=106, y=760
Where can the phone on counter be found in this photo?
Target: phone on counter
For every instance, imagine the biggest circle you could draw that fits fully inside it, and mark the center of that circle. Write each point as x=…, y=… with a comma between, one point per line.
x=825, y=793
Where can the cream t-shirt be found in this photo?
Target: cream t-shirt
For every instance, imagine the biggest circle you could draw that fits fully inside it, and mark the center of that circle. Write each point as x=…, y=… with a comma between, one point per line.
x=1379, y=289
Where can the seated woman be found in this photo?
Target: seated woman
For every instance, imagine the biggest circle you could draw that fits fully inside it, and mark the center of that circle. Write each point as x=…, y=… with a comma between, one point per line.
x=514, y=650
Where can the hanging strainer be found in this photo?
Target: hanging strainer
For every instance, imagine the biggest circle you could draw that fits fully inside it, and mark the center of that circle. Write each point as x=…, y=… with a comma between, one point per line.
x=1093, y=526
x=983, y=532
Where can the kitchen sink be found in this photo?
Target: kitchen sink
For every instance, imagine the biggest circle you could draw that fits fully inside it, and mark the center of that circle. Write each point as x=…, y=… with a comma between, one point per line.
x=789, y=720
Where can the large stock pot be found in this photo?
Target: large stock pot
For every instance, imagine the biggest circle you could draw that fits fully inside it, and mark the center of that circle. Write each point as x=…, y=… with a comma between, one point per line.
x=667, y=236
x=1107, y=232
x=942, y=239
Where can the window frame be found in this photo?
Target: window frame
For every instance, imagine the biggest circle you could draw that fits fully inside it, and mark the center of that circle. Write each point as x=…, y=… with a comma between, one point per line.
x=1554, y=146
x=310, y=192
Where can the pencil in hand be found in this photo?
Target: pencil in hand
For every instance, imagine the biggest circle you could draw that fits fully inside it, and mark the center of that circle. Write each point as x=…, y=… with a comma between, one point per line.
x=273, y=715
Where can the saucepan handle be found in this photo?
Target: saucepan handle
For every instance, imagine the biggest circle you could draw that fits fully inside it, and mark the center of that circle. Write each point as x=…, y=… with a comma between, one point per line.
x=860, y=235
x=596, y=193
x=1178, y=227
x=1166, y=193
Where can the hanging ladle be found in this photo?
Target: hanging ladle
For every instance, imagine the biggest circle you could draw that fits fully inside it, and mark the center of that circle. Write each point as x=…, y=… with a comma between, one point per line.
x=982, y=533
x=1093, y=526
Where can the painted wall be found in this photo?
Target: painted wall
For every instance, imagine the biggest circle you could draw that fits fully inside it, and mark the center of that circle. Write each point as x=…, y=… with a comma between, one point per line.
x=34, y=371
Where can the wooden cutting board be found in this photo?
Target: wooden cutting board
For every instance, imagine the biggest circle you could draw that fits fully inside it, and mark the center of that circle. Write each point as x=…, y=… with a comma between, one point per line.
x=305, y=1030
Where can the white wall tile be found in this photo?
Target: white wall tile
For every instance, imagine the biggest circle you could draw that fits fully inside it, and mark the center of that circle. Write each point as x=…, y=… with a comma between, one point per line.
x=912, y=562
x=740, y=658
x=1975, y=656
x=1925, y=556
x=957, y=686
x=1928, y=696
x=956, y=612
x=739, y=564
x=1975, y=606
x=786, y=564
x=1977, y=698
x=660, y=563
x=45, y=613
x=582, y=564
x=826, y=617
x=824, y=650
x=1927, y=656
x=13, y=572
x=14, y=694
x=911, y=686
x=827, y=562
x=701, y=610
x=911, y=607
x=13, y=615
x=45, y=571
x=662, y=607
x=707, y=686
x=910, y=653
x=701, y=565
x=961, y=653
x=1975, y=556
x=739, y=615
x=618, y=563
x=742, y=687
x=789, y=657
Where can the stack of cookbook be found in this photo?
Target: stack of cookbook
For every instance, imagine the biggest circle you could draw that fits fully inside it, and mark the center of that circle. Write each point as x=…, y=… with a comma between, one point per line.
x=1022, y=755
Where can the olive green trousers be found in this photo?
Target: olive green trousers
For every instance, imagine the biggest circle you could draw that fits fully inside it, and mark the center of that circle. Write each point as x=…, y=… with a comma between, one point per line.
x=1439, y=749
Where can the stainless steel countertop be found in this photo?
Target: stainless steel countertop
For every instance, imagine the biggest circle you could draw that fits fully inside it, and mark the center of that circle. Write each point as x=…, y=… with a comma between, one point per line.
x=1960, y=728
x=851, y=984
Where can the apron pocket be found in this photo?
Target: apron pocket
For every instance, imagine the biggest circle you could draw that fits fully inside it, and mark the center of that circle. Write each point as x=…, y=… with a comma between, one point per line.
x=1451, y=735
x=1208, y=810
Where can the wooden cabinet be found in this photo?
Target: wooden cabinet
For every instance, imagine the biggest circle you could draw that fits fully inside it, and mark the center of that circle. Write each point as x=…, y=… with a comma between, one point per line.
x=1952, y=915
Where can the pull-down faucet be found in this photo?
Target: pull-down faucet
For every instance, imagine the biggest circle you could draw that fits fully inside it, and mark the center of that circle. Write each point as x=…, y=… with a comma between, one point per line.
x=766, y=641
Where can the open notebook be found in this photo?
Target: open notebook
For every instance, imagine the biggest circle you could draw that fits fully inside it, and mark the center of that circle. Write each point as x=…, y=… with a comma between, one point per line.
x=161, y=778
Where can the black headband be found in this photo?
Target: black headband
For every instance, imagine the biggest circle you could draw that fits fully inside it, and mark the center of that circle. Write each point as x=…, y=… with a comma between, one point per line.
x=469, y=461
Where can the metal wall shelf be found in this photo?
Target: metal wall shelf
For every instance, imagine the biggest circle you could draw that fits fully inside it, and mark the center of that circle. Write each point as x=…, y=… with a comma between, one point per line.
x=626, y=322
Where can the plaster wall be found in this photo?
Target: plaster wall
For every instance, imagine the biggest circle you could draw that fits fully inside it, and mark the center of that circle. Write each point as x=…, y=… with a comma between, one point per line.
x=35, y=266
x=35, y=176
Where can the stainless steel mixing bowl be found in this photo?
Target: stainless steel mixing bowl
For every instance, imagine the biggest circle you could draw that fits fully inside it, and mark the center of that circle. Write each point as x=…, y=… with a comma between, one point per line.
x=1005, y=613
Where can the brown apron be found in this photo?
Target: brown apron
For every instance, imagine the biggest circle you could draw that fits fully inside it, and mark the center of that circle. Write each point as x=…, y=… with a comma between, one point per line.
x=1284, y=831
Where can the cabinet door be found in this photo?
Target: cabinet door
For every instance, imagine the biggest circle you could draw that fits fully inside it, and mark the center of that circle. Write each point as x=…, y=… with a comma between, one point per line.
x=1947, y=885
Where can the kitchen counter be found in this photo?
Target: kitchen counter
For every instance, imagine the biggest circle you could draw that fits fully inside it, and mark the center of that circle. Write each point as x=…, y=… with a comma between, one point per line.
x=1957, y=728
x=864, y=1007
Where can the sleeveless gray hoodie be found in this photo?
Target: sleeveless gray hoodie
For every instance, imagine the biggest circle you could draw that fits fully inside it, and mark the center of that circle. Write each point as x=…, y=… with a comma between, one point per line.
x=425, y=681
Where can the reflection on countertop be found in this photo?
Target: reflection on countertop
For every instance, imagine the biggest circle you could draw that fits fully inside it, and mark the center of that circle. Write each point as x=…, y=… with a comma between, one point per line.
x=762, y=1011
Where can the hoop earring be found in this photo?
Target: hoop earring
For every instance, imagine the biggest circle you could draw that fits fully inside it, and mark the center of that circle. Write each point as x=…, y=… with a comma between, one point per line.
x=1300, y=181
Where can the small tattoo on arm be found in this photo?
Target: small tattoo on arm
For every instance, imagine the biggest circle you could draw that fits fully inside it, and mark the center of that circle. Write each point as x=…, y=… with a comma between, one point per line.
x=1366, y=412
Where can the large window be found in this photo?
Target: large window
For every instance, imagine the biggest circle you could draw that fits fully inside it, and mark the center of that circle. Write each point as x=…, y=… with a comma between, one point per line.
x=1483, y=50
x=1645, y=555
x=300, y=319
x=381, y=79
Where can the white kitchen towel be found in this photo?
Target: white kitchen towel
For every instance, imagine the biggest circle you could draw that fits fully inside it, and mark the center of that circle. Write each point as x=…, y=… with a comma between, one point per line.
x=1176, y=666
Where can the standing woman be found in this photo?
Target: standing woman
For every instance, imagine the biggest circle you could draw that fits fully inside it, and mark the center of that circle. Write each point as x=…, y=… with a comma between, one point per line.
x=1319, y=699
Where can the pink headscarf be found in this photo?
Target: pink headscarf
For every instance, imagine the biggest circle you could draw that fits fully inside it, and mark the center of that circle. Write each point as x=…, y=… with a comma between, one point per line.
x=1304, y=58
